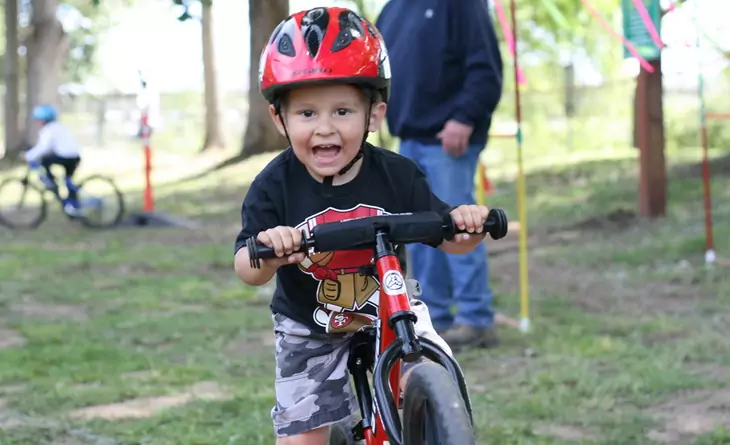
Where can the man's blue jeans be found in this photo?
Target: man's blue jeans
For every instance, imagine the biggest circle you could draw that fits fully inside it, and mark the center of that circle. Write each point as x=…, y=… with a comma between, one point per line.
x=447, y=279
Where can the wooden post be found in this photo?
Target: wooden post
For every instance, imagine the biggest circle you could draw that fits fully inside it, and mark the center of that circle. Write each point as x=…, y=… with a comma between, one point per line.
x=649, y=121
x=570, y=101
x=12, y=80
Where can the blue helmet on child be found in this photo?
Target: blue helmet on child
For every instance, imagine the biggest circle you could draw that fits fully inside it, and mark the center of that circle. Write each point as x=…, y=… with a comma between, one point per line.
x=44, y=113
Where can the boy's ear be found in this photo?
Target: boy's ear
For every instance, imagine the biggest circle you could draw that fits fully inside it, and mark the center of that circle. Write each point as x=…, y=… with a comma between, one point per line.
x=277, y=120
x=377, y=114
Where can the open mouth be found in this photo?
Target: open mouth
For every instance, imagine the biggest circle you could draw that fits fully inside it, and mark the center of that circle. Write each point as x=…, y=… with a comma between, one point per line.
x=326, y=152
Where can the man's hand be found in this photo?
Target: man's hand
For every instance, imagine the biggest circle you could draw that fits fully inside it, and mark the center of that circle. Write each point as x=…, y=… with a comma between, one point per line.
x=455, y=137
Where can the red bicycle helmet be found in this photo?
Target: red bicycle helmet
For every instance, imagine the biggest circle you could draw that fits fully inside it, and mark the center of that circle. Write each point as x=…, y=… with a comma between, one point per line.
x=324, y=45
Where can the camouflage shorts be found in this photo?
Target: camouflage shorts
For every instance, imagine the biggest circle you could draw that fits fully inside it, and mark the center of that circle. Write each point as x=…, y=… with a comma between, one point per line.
x=312, y=382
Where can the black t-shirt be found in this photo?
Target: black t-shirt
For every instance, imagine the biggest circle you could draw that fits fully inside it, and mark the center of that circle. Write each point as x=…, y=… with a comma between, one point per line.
x=326, y=291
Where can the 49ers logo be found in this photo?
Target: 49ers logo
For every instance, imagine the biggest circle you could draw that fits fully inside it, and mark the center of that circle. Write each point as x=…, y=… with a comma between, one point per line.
x=341, y=320
x=349, y=300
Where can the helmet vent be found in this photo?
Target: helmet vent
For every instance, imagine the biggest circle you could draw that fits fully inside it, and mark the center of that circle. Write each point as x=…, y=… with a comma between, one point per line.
x=350, y=29
x=286, y=46
x=314, y=25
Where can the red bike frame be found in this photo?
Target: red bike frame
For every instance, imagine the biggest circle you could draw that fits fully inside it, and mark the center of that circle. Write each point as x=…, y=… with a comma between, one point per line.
x=393, y=298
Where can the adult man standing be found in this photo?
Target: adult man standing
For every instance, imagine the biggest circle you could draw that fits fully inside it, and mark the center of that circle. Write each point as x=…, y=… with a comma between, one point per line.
x=446, y=83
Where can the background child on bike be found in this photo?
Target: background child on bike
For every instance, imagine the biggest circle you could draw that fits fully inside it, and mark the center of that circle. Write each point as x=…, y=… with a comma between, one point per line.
x=326, y=75
x=56, y=146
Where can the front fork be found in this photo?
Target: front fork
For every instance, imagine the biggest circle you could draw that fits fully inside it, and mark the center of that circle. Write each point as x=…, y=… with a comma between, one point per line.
x=384, y=398
x=361, y=361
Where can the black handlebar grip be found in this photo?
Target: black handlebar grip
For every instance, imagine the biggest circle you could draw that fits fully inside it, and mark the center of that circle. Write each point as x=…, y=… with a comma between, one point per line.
x=258, y=251
x=496, y=224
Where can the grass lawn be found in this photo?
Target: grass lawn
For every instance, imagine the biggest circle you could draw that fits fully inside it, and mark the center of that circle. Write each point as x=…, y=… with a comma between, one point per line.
x=146, y=337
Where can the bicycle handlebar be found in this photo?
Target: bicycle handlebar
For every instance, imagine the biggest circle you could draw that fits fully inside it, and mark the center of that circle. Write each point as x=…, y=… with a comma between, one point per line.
x=360, y=233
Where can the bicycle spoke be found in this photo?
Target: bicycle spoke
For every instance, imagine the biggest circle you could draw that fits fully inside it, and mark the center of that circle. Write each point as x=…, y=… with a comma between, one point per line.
x=22, y=197
x=21, y=205
x=100, y=202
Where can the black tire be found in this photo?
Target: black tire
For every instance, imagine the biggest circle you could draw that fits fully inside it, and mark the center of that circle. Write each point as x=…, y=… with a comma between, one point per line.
x=92, y=213
x=434, y=412
x=14, y=194
x=341, y=434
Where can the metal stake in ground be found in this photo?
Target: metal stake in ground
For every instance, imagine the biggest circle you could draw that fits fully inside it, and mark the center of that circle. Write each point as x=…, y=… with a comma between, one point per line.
x=710, y=254
x=521, y=187
x=148, y=216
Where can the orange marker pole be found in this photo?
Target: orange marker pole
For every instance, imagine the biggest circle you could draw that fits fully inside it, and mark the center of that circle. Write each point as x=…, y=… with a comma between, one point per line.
x=149, y=203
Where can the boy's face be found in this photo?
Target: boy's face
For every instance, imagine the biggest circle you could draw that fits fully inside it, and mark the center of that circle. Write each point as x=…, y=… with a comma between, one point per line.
x=326, y=125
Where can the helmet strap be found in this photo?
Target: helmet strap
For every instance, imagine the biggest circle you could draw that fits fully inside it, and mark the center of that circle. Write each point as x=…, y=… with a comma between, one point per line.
x=277, y=110
x=360, y=153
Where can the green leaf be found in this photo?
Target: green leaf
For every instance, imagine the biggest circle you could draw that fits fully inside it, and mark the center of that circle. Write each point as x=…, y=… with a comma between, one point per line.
x=556, y=15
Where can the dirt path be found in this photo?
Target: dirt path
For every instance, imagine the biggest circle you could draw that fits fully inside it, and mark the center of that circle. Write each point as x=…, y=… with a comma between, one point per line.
x=596, y=290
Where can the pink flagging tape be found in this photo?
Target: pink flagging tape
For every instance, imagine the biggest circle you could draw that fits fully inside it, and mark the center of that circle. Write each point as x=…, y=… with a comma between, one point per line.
x=644, y=14
x=618, y=37
x=509, y=38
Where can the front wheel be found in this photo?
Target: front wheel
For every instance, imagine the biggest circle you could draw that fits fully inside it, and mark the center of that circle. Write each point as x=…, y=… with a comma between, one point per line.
x=434, y=412
x=100, y=202
x=341, y=434
x=22, y=205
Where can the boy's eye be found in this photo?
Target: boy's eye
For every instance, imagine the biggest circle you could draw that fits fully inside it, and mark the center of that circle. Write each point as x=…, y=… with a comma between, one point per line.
x=342, y=111
x=307, y=113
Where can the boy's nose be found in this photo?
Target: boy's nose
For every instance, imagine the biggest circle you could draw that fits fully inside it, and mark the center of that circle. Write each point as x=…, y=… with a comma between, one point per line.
x=325, y=128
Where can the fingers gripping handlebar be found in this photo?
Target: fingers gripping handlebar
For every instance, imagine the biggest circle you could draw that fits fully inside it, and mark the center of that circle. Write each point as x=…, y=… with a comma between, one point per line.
x=359, y=233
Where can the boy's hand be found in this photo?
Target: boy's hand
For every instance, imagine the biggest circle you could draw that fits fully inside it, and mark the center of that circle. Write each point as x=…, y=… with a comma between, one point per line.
x=470, y=218
x=284, y=241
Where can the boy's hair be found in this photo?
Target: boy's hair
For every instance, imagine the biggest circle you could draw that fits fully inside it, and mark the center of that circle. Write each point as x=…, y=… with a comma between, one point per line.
x=369, y=96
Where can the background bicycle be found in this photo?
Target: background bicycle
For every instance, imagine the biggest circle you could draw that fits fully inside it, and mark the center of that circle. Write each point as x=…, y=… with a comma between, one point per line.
x=24, y=201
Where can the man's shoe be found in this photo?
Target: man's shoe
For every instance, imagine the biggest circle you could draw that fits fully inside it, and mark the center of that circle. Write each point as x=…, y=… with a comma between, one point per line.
x=461, y=336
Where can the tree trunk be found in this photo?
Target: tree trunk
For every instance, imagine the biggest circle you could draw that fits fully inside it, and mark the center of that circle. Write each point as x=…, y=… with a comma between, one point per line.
x=649, y=139
x=47, y=47
x=214, y=134
x=261, y=134
x=12, y=82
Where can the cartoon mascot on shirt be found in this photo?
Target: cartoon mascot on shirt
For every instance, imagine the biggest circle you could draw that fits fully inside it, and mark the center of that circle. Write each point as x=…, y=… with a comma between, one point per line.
x=349, y=300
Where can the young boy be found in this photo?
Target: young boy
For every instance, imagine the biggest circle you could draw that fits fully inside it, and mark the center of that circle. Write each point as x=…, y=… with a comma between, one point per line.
x=325, y=73
x=56, y=146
